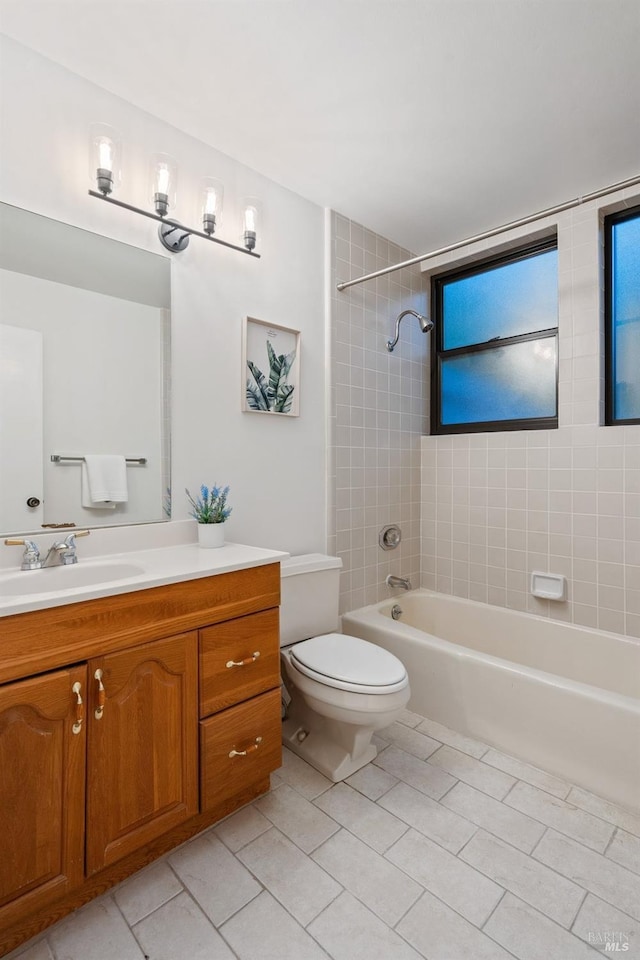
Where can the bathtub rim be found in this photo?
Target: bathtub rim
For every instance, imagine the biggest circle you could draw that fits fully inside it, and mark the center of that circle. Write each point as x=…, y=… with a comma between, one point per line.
x=372, y=617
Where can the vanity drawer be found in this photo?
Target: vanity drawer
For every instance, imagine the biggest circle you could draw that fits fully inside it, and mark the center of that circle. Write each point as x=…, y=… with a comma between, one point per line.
x=228, y=671
x=225, y=768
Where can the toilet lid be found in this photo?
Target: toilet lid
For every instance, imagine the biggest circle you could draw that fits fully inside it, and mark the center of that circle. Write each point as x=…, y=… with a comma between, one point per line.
x=336, y=656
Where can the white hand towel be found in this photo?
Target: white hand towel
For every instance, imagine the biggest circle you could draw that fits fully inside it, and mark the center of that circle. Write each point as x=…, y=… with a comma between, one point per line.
x=104, y=481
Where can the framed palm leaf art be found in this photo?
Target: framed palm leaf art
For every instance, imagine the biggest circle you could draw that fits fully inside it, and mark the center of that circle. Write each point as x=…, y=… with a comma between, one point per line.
x=270, y=368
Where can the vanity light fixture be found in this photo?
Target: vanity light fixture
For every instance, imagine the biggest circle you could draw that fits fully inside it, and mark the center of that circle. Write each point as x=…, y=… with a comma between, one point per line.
x=105, y=159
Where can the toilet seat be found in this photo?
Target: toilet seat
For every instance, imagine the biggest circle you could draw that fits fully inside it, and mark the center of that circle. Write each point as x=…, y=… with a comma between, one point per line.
x=349, y=663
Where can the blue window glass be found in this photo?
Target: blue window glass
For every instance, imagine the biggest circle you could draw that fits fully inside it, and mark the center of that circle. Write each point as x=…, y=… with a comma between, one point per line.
x=503, y=301
x=496, y=358
x=515, y=382
x=623, y=317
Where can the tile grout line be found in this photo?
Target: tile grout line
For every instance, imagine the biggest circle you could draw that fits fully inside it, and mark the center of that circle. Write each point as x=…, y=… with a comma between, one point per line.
x=521, y=780
x=273, y=896
x=509, y=792
x=489, y=918
x=540, y=863
x=479, y=789
x=481, y=827
x=198, y=906
x=600, y=896
x=383, y=855
x=404, y=832
x=129, y=926
x=559, y=829
x=541, y=913
x=530, y=815
x=448, y=791
x=596, y=816
x=480, y=929
x=164, y=859
x=624, y=810
x=573, y=922
x=384, y=793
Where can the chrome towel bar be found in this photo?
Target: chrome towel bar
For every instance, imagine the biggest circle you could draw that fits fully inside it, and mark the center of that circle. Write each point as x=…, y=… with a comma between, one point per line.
x=57, y=458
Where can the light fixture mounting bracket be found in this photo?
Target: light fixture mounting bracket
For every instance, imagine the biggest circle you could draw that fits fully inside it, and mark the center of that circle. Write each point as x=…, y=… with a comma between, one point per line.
x=173, y=235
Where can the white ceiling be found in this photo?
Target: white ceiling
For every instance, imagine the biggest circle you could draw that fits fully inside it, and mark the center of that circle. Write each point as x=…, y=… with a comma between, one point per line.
x=426, y=120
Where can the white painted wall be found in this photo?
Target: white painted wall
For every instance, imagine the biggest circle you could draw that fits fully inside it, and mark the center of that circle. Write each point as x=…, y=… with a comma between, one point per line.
x=276, y=468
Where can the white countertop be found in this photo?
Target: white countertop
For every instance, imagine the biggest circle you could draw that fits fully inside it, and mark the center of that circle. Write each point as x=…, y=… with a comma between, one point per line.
x=123, y=573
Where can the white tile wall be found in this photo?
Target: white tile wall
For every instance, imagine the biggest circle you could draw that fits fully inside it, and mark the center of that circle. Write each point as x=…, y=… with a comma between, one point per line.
x=378, y=413
x=496, y=506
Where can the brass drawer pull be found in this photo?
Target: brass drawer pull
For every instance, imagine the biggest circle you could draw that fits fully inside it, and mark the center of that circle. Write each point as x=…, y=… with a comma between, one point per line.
x=251, y=749
x=245, y=662
x=102, y=696
x=77, y=688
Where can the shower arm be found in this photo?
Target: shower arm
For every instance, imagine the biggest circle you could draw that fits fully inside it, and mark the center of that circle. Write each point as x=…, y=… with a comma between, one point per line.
x=425, y=326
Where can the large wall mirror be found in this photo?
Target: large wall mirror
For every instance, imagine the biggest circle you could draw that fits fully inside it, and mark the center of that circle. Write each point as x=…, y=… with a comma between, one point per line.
x=84, y=372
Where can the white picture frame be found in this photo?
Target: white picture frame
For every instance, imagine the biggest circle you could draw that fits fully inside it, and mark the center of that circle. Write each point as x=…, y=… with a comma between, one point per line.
x=270, y=368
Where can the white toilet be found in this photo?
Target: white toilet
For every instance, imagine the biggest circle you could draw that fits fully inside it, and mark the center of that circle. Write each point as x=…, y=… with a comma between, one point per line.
x=342, y=688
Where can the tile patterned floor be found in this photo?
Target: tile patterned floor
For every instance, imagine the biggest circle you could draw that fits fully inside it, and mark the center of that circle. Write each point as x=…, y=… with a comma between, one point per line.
x=443, y=848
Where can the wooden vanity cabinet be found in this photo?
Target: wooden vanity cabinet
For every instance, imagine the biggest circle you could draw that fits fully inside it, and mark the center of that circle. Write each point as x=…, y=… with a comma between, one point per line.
x=148, y=738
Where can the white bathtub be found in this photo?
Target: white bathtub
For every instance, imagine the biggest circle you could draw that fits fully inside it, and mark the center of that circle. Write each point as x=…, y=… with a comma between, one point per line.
x=562, y=697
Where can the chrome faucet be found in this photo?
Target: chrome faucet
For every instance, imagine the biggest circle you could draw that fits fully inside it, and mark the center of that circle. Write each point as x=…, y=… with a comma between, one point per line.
x=403, y=582
x=64, y=549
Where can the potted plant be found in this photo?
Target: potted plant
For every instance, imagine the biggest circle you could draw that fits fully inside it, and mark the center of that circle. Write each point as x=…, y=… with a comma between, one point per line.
x=211, y=511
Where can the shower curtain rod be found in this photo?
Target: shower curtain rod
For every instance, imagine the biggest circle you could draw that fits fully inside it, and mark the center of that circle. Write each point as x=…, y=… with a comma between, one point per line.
x=550, y=211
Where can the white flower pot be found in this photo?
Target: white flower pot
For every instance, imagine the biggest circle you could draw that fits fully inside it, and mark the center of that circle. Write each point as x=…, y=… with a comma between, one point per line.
x=211, y=534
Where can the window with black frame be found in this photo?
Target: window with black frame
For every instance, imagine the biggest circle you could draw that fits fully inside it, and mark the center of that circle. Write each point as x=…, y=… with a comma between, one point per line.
x=622, y=317
x=495, y=366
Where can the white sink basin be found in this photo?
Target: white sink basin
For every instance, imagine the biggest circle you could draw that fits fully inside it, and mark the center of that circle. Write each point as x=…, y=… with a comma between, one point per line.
x=28, y=583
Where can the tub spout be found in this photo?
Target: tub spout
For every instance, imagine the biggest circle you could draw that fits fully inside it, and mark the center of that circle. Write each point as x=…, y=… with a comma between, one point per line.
x=403, y=582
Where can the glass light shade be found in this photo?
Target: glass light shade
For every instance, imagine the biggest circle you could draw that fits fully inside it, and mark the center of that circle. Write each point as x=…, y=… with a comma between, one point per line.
x=105, y=157
x=212, y=194
x=163, y=180
x=251, y=217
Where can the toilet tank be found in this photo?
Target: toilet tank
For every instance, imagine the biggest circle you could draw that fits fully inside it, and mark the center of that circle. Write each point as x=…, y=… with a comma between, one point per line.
x=310, y=588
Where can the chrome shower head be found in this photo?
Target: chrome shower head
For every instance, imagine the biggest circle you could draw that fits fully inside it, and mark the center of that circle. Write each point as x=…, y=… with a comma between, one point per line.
x=425, y=325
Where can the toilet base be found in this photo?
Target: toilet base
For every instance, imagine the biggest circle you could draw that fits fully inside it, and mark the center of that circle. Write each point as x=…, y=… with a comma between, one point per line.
x=332, y=728
x=335, y=749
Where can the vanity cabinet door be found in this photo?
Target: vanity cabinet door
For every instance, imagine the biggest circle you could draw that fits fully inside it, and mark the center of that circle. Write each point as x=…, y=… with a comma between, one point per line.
x=142, y=757
x=42, y=777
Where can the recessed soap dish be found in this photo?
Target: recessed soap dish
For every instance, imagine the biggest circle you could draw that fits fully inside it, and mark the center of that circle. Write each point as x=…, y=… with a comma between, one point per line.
x=548, y=586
